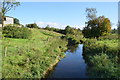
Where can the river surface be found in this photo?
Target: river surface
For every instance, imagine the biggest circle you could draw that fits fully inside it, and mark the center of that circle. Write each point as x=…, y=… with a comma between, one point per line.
x=72, y=66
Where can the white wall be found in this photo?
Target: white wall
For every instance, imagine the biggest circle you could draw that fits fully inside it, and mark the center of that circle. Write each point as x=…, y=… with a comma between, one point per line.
x=9, y=20
x=0, y=25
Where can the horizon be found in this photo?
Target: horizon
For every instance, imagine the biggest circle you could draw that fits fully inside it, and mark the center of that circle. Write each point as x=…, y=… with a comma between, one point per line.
x=61, y=14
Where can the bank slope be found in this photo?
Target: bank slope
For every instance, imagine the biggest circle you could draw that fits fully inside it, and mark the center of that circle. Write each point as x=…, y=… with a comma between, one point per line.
x=30, y=58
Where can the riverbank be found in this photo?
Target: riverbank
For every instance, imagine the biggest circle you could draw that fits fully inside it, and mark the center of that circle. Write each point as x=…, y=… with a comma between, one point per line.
x=102, y=57
x=32, y=58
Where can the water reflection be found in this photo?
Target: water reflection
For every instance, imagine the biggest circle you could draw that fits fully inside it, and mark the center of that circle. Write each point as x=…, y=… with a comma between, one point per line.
x=72, y=49
x=72, y=66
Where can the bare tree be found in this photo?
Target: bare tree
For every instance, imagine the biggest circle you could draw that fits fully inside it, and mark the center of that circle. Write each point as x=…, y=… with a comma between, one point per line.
x=6, y=6
x=91, y=13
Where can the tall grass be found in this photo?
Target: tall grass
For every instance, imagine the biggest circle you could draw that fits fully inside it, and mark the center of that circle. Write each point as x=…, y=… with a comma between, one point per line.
x=30, y=58
x=102, y=57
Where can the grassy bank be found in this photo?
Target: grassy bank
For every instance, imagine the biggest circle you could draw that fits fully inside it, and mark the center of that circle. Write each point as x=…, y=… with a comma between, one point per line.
x=0, y=53
x=102, y=57
x=30, y=58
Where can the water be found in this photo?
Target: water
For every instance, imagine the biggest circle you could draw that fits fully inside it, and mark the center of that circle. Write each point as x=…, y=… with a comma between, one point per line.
x=72, y=66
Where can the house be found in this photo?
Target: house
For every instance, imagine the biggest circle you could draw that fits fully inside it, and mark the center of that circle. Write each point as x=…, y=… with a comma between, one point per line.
x=7, y=20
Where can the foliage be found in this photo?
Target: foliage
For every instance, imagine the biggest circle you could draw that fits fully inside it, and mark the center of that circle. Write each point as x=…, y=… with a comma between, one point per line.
x=91, y=13
x=54, y=29
x=30, y=58
x=102, y=57
x=97, y=27
x=73, y=35
x=11, y=31
x=114, y=31
x=103, y=67
x=16, y=21
x=109, y=37
x=7, y=5
x=34, y=25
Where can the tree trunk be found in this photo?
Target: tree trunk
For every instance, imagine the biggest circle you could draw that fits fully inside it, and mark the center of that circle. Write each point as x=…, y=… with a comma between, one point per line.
x=2, y=22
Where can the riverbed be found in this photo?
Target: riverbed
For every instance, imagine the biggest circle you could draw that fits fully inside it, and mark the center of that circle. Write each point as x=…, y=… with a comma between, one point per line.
x=72, y=66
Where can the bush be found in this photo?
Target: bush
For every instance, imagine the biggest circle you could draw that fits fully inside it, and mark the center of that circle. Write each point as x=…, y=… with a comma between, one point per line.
x=34, y=25
x=11, y=31
x=103, y=67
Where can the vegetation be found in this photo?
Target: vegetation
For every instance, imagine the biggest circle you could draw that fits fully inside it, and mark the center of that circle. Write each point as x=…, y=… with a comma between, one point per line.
x=73, y=35
x=34, y=25
x=97, y=27
x=30, y=58
x=11, y=31
x=102, y=57
x=0, y=53
x=6, y=6
x=16, y=21
x=91, y=13
x=28, y=52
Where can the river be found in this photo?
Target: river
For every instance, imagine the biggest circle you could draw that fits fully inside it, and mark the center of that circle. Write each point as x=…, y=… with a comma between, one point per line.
x=72, y=66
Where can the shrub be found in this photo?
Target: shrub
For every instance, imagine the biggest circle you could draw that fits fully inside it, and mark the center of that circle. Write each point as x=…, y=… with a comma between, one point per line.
x=16, y=21
x=11, y=31
x=103, y=67
x=34, y=25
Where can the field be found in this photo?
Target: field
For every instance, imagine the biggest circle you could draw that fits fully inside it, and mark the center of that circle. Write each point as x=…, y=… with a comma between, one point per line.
x=30, y=58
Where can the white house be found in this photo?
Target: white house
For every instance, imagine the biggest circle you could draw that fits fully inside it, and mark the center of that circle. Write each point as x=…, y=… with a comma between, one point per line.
x=7, y=20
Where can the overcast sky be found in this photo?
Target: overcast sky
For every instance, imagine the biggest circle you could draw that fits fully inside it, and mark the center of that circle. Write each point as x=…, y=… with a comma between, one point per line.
x=61, y=14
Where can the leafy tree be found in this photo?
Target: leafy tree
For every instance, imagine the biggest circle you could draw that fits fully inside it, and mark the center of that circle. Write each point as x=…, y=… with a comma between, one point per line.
x=69, y=30
x=91, y=13
x=16, y=21
x=100, y=26
x=34, y=25
x=7, y=5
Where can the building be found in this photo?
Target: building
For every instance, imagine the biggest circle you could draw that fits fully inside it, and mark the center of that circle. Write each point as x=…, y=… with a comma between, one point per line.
x=7, y=20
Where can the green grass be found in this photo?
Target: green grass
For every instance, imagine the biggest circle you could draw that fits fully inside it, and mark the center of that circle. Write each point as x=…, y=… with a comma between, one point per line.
x=0, y=53
x=30, y=58
x=102, y=57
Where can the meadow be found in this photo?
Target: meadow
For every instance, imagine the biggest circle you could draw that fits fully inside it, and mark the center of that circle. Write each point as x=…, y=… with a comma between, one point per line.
x=31, y=58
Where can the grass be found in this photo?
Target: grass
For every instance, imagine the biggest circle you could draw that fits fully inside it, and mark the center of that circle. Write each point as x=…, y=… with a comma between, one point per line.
x=30, y=58
x=102, y=57
x=0, y=53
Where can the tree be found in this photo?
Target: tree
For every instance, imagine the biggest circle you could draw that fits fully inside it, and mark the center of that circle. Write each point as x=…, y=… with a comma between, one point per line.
x=47, y=27
x=16, y=21
x=7, y=5
x=100, y=26
x=91, y=13
x=68, y=30
x=34, y=25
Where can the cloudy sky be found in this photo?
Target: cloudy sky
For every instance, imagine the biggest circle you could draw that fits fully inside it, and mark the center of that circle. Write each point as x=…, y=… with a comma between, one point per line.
x=61, y=14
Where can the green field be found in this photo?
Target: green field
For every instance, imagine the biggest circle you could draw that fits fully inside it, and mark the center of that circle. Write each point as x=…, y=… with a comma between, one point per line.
x=30, y=58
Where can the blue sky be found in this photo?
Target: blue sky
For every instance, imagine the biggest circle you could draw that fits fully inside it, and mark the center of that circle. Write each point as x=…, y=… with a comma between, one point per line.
x=60, y=14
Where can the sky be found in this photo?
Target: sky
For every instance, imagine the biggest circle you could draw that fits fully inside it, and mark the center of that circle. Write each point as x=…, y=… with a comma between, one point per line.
x=61, y=14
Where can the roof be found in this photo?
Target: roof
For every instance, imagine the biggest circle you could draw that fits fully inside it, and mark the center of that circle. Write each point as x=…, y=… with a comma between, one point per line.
x=9, y=16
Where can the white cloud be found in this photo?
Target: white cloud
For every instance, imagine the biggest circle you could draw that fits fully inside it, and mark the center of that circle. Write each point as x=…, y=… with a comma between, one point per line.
x=57, y=25
x=78, y=26
x=51, y=24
